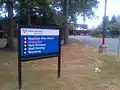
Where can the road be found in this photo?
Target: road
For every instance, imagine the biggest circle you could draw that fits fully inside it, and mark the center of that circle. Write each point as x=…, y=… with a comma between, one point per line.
x=112, y=43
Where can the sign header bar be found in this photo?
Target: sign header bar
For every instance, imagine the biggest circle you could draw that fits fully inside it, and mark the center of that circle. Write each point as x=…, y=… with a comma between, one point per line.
x=37, y=32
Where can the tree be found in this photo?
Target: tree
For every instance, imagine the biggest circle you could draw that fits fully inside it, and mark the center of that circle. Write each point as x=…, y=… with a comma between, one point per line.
x=114, y=26
x=100, y=27
x=59, y=9
x=38, y=8
x=10, y=41
x=76, y=7
x=8, y=4
x=26, y=8
x=118, y=19
x=48, y=9
x=113, y=20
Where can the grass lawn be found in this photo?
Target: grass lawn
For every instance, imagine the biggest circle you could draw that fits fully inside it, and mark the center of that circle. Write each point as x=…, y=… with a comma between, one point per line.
x=78, y=64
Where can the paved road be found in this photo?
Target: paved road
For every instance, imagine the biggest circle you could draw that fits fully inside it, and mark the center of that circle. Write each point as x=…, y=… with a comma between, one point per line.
x=112, y=43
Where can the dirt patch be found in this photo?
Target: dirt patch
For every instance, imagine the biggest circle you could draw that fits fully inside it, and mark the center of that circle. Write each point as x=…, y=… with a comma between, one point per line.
x=77, y=61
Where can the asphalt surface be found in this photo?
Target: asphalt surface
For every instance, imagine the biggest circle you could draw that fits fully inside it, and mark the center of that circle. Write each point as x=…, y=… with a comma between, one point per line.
x=112, y=43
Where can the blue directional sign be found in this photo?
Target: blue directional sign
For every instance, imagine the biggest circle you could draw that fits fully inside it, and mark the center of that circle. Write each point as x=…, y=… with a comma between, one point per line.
x=37, y=42
x=107, y=31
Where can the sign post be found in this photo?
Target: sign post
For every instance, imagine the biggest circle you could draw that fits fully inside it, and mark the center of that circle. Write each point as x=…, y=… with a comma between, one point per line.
x=118, y=50
x=59, y=66
x=38, y=42
x=19, y=74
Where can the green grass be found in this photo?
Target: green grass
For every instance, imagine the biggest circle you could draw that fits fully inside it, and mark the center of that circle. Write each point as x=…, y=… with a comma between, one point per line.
x=109, y=75
x=33, y=79
x=110, y=67
x=100, y=35
x=96, y=35
x=43, y=77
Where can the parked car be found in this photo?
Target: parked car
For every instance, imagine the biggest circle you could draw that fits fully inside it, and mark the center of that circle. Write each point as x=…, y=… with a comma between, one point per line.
x=3, y=39
x=3, y=35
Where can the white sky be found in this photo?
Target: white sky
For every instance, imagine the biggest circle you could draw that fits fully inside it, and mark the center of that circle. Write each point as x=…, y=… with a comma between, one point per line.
x=113, y=7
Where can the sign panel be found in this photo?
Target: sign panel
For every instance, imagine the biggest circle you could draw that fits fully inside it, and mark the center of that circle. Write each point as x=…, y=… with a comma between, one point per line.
x=39, y=42
x=35, y=42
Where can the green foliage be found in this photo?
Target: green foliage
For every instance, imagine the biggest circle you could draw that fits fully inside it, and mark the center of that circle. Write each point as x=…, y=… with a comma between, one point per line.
x=47, y=7
x=113, y=20
x=76, y=7
x=113, y=25
x=96, y=35
x=71, y=27
x=82, y=7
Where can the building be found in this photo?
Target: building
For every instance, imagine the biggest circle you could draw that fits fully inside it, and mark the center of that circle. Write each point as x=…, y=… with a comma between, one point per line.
x=81, y=26
x=79, y=29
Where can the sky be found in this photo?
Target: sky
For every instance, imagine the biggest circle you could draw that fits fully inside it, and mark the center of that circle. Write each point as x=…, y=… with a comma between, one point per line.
x=113, y=7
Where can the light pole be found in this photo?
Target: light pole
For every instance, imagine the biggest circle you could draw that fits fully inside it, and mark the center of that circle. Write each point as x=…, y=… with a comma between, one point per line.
x=66, y=22
x=104, y=23
x=103, y=46
x=118, y=52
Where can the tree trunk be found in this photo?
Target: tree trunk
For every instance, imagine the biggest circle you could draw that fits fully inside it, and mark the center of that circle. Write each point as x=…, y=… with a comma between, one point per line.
x=66, y=22
x=29, y=18
x=29, y=15
x=10, y=38
x=29, y=11
x=44, y=18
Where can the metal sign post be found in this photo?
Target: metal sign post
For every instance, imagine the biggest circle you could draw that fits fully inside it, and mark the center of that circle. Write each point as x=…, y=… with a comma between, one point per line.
x=59, y=65
x=118, y=51
x=19, y=74
x=38, y=42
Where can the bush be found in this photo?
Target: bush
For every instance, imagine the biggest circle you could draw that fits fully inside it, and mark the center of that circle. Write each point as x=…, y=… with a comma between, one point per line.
x=96, y=35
